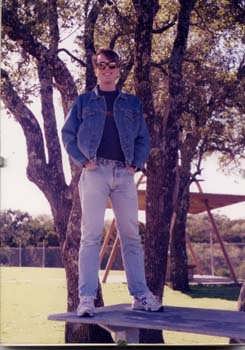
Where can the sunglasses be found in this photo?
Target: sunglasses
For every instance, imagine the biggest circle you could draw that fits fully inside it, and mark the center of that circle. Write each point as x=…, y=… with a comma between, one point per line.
x=103, y=65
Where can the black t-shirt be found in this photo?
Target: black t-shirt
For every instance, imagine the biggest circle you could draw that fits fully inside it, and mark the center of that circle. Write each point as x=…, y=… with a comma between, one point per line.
x=110, y=147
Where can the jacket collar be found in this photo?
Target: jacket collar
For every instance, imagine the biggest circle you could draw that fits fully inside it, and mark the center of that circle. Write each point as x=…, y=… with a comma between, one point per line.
x=95, y=93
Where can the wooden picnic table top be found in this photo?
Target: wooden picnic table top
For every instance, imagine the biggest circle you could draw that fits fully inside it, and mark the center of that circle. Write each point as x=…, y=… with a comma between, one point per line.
x=214, y=322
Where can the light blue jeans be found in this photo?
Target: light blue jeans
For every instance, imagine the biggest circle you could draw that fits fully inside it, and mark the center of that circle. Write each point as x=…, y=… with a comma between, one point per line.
x=109, y=180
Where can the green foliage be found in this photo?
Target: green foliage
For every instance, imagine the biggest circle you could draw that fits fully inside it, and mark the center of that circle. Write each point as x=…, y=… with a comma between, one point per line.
x=4, y=256
x=213, y=91
x=204, y=251
x=199, y=228
x=17, y=227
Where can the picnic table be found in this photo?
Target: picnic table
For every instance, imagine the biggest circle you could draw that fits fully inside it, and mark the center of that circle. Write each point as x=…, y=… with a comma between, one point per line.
x=124, y=323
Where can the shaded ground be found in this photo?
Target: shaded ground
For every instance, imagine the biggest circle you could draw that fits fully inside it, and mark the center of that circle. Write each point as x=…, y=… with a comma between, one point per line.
x=226, y=292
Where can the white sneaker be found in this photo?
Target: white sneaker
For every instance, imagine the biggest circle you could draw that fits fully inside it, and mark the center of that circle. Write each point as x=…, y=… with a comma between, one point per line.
x=147, y=302
x=86, y=306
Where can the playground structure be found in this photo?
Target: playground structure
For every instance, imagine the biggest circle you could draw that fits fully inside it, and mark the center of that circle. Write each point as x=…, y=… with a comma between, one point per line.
x=199, y=202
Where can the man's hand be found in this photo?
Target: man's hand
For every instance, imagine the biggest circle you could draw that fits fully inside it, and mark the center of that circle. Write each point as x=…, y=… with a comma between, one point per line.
x=131, y=169
x=91, y=165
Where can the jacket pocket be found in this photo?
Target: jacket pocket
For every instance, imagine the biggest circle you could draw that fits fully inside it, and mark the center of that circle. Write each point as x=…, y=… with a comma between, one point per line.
x=130, y=115
x=87, y=114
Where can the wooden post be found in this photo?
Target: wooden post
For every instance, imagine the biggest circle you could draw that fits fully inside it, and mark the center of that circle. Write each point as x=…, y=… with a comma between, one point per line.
x=212, y=253
x=20, y=254
x=124, y=335
x=196, y=260
x=43, y=255
x=107, y=239
x=111, y=259
x=216, y=231
x=116, y=245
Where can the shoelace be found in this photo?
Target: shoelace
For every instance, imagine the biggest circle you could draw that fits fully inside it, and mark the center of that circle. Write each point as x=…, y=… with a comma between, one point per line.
x=86, y=299
x=147, y=298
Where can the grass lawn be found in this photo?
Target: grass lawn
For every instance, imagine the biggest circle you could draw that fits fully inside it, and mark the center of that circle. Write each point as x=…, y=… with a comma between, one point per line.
x=29, y=295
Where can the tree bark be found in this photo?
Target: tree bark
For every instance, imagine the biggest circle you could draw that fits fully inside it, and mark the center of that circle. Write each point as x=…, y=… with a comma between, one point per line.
x=162, y=164
x=172, y=135
x=240, y=307
x=241, y=300
x=145, y=12
x=89, y=42
x=178, y=254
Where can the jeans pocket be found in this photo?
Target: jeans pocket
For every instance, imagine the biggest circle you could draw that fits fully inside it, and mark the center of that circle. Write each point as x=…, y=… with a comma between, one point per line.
x=90, y=170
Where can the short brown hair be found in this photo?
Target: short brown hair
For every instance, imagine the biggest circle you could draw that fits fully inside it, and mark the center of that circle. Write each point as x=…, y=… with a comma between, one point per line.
x=108, y=53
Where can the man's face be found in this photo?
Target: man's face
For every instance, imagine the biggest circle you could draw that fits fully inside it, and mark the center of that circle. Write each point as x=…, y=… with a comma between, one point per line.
x=106, y=71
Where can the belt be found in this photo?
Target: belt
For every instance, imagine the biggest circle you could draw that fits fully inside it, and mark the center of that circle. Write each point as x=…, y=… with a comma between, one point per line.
x=105, y=161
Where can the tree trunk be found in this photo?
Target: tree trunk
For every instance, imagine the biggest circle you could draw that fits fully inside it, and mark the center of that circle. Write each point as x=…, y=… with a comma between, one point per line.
x=156, y=237
x=173, y=146
x=240, y=307
x=241, y=300
x=178, y=255
x=145, y=11
x=162, y=164
x=89, y=28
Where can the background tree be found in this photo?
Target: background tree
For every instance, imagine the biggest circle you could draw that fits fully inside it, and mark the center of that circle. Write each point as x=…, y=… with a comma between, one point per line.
x=17, y=227
x=164, y=131
x=213, y=116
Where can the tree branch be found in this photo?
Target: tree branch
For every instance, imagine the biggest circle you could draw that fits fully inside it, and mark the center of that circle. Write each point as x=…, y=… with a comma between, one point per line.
x=53, y=26
x=48, y=113
x=179, y=47
x=89, y=41
x=145, y=11
x=114, y=39
x=123, y=21
x=126, y=68
x=82, y=63
x=165, y=26
x=241, y=69
x=160, y=65
x=203, y=23
x=37, y=166
x=126, y=26
x=20, y=33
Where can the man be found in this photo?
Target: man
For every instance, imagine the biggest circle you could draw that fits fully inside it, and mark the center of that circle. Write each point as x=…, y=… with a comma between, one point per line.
x=106, y=134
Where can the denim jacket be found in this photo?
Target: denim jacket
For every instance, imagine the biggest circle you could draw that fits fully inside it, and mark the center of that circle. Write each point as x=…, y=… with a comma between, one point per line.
x=83, y=128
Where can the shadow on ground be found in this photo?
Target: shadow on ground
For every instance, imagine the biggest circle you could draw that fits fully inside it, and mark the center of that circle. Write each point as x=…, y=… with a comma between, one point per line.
x=227, y=292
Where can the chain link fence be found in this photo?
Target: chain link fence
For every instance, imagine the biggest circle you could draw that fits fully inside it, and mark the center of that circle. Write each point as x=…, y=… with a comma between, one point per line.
x=212, y=258
x=43, y=257
x=31, y=256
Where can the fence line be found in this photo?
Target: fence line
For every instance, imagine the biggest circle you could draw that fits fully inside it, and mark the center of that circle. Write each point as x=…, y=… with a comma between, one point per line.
x=51, y=257
x=41, y=257
x=31, y=256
